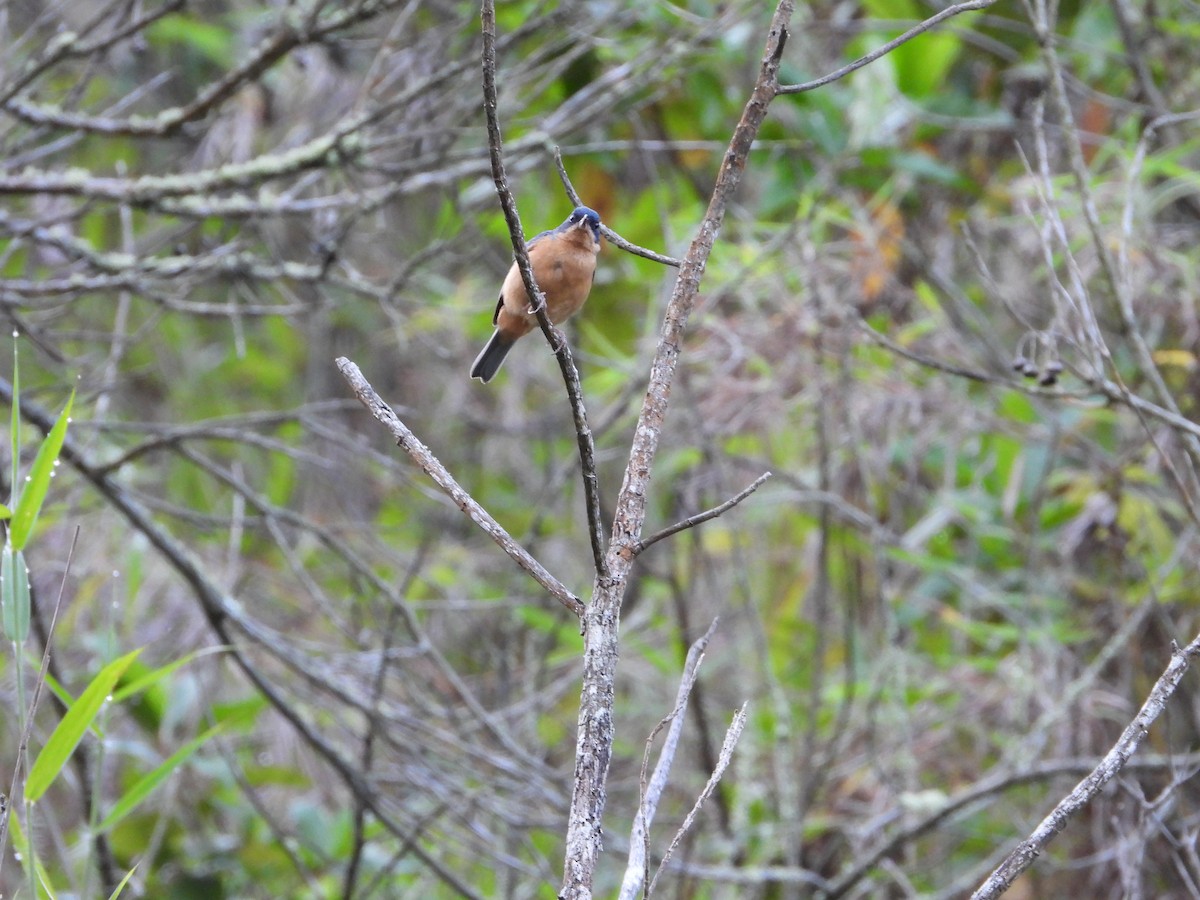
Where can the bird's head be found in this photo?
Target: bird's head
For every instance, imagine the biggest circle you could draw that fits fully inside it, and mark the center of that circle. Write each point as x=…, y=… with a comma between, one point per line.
x=583, y=217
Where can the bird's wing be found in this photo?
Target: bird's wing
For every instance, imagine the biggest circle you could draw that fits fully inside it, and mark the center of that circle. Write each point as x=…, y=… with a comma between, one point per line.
x=537, y=237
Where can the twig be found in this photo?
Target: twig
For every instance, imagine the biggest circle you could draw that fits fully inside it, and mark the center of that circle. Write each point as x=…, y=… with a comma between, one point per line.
x=70, y=44
x=341, y=143
x=887, y=48
x=731, y=738
x=695, y=520
x=1028, y=850
x=611, y=236
x=969, y=797
x=1108, y=390
x=442, y=478
x=1041, y=19
x=637, y=870
x=168, y=121
x=562, y=351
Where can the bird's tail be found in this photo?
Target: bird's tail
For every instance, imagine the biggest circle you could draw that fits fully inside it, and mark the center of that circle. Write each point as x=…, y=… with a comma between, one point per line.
x=488, y=362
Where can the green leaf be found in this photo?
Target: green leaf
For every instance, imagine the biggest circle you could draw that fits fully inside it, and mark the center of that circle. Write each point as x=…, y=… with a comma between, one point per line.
x=124, y=881
x=149, y=782
x=38, y=482
x=239, y=713
x=144, y=681
x=20, y=842
x=22, y=849
x=74, y=725
x=44, y=880
x=14, y=595
x=5, y=512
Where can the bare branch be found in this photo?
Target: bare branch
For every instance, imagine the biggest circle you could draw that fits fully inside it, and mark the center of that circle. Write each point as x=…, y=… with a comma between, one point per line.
x=611, y=236
x=948, y=12
x=1028, y=850
x=593, y=748
x=1130, y=330
x=69, y=44
x=442, y=478
x=340, y=143
x=636, y=872
x=221, y=610
x=693, y=521
x=1101, y=387
x=731, y=738
x=167, y=122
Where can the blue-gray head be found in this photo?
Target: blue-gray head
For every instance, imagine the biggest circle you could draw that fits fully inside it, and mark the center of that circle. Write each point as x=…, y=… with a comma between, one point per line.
x=583, y=217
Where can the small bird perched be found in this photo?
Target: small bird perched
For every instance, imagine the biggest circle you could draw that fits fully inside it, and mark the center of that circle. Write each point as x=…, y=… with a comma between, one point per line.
x=564, y=265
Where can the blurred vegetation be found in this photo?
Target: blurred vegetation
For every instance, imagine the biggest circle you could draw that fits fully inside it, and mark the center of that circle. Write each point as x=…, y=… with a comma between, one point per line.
x=960, y=578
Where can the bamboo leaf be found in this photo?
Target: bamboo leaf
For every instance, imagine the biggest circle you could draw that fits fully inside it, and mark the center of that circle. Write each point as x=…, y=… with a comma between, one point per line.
x=149, y=679
x=14, y=595
x=149, y=782
x=74, y=725
x=29, y=504
x=124, y=881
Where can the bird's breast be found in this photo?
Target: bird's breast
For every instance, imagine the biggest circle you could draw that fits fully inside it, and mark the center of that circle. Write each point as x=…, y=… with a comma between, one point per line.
x=567, y=284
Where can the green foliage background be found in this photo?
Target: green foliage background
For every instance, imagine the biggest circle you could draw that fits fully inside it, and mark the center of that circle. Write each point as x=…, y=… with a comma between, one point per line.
x=951, y=580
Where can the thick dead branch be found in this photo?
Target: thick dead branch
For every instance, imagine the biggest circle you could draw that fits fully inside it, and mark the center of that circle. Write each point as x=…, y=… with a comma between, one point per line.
x=602, y=623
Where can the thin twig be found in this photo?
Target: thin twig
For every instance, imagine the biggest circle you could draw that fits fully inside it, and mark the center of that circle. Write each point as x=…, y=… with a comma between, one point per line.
x=1041, y=20
x=562, y=351
x=731, y=738
x=168, y=121
x=611, y=236
x=423, y=457
x=1028, y=850
x=637, y=870
x=986, y=789
x=887, y=48
x=693, y=521
x=1100, y=387
x=71, y=44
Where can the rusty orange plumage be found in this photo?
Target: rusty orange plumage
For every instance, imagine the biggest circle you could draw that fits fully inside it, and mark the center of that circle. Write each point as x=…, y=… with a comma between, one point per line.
x=564, y=266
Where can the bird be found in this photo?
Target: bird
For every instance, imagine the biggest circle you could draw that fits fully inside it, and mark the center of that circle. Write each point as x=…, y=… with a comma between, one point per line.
x=564, y=266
